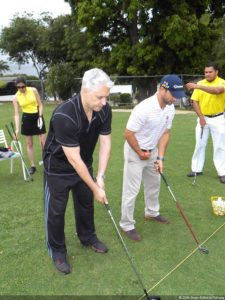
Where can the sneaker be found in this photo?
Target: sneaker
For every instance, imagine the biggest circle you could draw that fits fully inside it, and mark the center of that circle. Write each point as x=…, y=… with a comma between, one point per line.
x=132, y=235
x=62, y=265
x=32, y=170
x=99, y=247
x=222, y=179
x=159, y=218
x=192, y=174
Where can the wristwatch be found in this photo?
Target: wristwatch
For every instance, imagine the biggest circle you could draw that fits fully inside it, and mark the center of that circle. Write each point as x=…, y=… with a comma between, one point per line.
x=101, y=175
x=160, y=158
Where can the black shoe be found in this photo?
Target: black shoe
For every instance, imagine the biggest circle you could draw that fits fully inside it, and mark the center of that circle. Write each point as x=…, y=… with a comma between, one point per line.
x=133, y=235
x=62, y=265
x=99, y=247
x=32, y=170
x=222, y=179
x=159, y=219
x=192, y=174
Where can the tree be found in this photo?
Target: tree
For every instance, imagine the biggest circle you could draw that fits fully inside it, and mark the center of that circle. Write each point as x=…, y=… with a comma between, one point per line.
x=134, y=37
x=54, y=40
x=218, y=48
x=24, y=41
x=60, y=81
x=3, y=67
x=41, y=41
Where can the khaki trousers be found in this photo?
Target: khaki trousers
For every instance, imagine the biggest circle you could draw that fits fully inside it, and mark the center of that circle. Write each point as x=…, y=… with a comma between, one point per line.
x=138, y=171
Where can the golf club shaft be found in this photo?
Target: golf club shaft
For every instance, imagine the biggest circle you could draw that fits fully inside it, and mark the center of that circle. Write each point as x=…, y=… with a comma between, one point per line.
x=19, y=151
x=126, y=250
x=21, y=154
x=180, y=209
x=187, y=223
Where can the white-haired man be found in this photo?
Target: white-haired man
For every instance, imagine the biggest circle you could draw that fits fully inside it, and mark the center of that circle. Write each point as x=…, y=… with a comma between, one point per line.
x=75, y=127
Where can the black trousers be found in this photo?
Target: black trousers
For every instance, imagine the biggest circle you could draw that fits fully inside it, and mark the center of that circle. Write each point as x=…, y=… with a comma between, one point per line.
x=56, y=192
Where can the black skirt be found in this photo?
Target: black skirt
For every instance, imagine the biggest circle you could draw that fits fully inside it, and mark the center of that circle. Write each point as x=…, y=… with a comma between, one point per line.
x=29, y=125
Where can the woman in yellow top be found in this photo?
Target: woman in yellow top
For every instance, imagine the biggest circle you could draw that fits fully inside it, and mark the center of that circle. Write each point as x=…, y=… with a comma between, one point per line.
x=32, y=122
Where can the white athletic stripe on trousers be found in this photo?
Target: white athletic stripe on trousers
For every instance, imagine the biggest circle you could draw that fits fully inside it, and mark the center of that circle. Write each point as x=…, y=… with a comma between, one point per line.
x=47, y=197
x=137, y=171
x=215, y=126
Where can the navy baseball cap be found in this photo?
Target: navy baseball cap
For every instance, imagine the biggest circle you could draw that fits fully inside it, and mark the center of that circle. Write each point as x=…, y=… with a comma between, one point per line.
x=174, y=84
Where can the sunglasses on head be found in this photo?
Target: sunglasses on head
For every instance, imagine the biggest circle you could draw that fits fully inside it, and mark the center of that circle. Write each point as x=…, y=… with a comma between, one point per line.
x=21, y=87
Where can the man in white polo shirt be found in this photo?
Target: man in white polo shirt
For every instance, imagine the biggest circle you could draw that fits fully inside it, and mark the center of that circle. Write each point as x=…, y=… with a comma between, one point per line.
x=147, y=136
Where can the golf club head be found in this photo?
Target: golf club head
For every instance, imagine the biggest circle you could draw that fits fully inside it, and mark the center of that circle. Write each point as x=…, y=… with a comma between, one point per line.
x=148, y=297
x=194, y=181
x=29, y=179
x=203, y=250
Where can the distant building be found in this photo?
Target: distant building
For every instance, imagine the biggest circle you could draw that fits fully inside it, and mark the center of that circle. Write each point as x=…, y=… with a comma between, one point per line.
x=122, y=89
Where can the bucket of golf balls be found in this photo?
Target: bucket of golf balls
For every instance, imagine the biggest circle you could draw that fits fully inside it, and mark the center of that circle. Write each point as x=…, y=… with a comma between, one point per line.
x=218, y=205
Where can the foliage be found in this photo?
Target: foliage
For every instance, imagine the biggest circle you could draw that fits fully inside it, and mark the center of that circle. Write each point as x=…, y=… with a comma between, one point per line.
x=3, y=84
x=121, y=98
x=146, y=37
x=3, y=66
x=60, y=81
x=142, y=37
x=125, y=98
x=115, y=98
x=55, y=43
x=218, y=50
x=24, y=41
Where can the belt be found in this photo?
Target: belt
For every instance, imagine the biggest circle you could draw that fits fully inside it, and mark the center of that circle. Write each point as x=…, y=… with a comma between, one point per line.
x=148, y=150
x=213, y=116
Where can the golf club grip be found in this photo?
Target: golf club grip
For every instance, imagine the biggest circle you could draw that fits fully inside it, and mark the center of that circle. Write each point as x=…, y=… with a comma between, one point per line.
x=202, y=132
x=17, y=146
x=9, y=132
x=186, y=221
x=164, y=178
x=14, y=132
x=107, y=206
x=12, y=126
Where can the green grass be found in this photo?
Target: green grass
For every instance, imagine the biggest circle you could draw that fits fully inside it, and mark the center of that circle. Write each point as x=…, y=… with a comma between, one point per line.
x=26, y=269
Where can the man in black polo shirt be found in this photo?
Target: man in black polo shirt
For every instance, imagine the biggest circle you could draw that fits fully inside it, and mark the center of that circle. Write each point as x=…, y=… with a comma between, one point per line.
x=75, y=127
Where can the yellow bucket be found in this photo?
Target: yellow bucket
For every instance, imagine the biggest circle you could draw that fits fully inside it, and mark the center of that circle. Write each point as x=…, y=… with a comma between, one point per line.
x=218, y=205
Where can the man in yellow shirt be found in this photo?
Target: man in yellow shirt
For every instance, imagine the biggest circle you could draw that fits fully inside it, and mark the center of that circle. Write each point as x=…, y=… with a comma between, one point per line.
x=209, y=104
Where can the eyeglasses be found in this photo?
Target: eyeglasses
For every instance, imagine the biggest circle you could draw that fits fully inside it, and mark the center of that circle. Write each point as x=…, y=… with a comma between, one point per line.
x=21, y=87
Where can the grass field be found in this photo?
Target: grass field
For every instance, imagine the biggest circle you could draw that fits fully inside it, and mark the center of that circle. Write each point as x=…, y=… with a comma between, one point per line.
x=166, y=253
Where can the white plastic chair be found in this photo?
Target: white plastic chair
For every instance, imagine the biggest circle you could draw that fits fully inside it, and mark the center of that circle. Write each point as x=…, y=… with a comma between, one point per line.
x=15, y=155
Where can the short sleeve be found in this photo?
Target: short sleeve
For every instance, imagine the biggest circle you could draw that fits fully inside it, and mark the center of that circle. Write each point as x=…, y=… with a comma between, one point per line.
x=136, y=120
x=170, y=123
x=195, y=95
x=66, y=130
x=223, y=83
x=106, y=127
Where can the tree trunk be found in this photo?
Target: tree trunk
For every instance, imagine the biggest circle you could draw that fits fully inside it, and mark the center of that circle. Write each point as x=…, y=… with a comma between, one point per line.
x=144, y=87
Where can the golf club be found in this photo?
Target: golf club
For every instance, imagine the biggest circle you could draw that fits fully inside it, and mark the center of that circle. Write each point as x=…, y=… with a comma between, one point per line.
x=30, y=178
x=200, y=248
x=194, y=181
x=27, y=173
x=131, y=260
